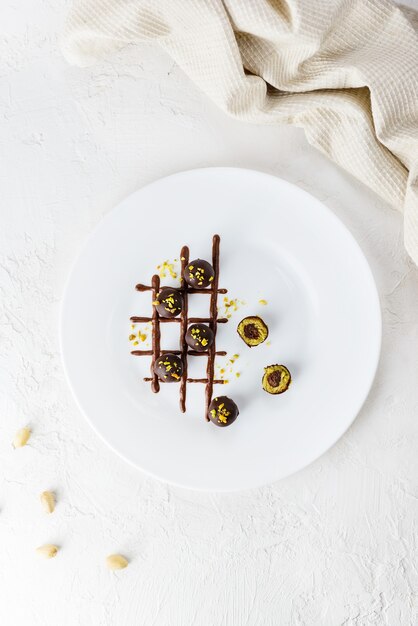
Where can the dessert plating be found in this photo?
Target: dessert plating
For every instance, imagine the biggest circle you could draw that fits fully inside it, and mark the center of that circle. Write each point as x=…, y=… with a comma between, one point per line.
x=171, y=305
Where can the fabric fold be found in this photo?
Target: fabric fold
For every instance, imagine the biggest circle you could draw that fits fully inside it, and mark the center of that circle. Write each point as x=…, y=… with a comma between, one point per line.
x=345, y=71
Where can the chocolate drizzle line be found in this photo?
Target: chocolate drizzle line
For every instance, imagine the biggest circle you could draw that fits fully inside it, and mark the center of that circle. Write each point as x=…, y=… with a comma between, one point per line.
x=184, y=256
x=184, y=321
x=155, y=384
x=166, y=320
x=140, y=287
x=212, y=324
x=190, y=352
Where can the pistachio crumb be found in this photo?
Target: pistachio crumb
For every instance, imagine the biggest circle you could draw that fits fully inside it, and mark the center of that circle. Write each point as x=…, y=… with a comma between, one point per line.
x=116, y=561
x=47, y=499
x=48, y=550
x=21, y=438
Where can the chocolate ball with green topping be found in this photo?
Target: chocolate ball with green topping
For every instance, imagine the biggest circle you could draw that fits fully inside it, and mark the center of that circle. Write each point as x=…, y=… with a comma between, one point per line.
x=199, y=274
x=169, y=368
x=169, y=302
x=199, y=337
x=223, y=411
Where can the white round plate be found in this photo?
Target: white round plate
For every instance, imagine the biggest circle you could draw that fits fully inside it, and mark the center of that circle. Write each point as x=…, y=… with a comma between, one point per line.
x=278, y=244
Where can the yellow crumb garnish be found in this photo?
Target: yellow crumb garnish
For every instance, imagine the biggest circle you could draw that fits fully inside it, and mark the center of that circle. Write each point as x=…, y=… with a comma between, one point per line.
x=231, y=306
x=165, y=268
x=135, y=343
x=132, y=337
x=142, y=336
x=238, y=374
x=132, y=326
x=263, y=302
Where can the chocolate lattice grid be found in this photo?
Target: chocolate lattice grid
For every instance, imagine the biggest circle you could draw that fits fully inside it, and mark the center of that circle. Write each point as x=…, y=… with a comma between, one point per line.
x=213, y=320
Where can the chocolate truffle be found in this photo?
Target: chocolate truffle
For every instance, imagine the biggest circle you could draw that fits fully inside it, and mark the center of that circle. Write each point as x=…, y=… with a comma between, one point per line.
x=198, y=274
x=253, y=330
x=169, y=302
x=223, y=411
x=169, y=368
x=276, y=379
x=199, y=337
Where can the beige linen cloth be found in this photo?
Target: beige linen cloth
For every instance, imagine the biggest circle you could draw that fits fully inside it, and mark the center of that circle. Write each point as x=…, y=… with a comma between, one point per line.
x=344, y=70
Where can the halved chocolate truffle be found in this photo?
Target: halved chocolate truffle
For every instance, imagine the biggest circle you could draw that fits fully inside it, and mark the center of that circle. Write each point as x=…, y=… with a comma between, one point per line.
x=169, y=368
x=223, y=411
x=253, y=330
x=169, y=302
x=198, y=274
x=276, y=379
x=199, y=337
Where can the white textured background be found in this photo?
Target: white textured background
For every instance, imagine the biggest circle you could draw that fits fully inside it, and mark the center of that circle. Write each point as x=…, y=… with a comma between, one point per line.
x=334, y=545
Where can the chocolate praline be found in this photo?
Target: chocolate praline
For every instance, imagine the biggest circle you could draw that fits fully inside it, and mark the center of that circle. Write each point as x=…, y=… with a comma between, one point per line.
x=223, y=411
x=169, y=368
x=199, y=337
x=199, y=274
x=169, y=302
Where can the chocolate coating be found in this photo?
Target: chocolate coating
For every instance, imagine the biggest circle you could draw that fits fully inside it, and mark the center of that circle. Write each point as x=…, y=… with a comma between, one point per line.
x=199, y=337
x=223, y=411
x=199, y=274
x=169, y=368
x=169, y=302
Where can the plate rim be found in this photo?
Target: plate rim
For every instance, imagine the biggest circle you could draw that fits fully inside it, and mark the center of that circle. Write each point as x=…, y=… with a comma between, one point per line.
x=373, y=370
